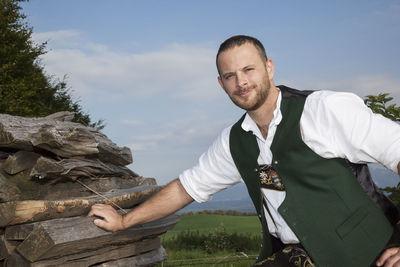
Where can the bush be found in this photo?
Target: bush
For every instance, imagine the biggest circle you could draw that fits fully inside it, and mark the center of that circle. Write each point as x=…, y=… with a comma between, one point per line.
x=214, y=241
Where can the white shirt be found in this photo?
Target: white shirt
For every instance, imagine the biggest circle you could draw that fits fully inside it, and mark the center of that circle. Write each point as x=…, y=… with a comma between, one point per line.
x=333, y=124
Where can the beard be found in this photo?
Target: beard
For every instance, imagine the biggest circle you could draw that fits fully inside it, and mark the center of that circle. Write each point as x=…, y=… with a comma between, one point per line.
x=262, y=91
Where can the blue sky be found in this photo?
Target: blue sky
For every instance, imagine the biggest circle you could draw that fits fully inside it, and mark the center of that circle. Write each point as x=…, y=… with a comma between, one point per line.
x=148, y=67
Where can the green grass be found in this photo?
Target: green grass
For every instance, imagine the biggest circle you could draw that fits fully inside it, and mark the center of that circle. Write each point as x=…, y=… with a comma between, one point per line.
x=212, y=225
x=206, y=223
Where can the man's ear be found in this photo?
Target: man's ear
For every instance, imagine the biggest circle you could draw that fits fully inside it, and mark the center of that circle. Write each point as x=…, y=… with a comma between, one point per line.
x=270, y=68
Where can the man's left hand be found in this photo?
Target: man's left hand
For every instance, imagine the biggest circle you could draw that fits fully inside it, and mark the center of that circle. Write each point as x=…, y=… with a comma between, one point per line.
x=389, y=258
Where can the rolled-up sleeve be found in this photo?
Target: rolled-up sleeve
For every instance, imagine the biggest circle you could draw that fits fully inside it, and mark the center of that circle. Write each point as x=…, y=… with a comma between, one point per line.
x=214, y=172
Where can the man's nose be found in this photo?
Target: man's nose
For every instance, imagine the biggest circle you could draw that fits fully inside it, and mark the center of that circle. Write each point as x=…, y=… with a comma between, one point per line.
x=241, y=80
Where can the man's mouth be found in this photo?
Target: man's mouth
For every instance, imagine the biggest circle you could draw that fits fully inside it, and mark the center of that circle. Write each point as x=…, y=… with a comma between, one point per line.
x=244, y=92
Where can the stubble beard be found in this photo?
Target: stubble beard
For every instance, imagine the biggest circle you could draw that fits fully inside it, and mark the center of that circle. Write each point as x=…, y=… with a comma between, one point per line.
x=262, y=91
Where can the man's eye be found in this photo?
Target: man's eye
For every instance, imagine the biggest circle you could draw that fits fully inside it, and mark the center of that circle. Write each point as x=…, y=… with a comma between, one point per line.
x=228, y=76
x=249, y=69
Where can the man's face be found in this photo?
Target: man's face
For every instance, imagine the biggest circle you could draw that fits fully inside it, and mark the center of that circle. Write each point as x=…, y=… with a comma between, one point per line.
x=244, y=76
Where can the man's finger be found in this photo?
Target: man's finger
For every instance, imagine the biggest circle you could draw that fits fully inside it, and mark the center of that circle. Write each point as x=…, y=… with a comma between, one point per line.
x=386, y=255
x=99, y=222
x=96, y=208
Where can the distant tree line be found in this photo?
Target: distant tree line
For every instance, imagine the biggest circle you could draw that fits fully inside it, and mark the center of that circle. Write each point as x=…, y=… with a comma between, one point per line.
x=220, y=212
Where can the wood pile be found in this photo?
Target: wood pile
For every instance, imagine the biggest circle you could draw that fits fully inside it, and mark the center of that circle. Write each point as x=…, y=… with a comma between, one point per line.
x=51, y=172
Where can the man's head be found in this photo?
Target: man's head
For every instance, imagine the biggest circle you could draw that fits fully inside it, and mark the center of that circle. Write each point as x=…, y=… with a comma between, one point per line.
x=239, y=40
x=245, y=73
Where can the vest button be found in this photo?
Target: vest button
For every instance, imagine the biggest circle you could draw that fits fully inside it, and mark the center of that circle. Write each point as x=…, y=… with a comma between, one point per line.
x=276, y=162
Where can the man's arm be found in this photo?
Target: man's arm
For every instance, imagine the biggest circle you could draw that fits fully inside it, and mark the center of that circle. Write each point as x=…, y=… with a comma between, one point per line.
x=171, y=198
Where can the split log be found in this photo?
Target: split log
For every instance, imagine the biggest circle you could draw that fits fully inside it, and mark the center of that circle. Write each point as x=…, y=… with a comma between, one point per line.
x=17, y=212
x=21, y=187
x=144, y=260
x=76, y=168
x=63, y=138
x=19, y=232
x=110, y=253
x=7, y=247
x=7, y=211
x=20, y=161
x=61, y=237
x=61, y=116
x=8, y=190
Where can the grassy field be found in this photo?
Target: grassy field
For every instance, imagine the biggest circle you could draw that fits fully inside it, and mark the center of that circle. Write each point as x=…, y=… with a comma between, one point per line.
x=205, y=223
x=216, y=228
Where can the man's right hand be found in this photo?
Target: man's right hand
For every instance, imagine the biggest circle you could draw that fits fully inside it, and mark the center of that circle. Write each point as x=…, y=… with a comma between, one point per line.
x=167, y=201
x=112, y=220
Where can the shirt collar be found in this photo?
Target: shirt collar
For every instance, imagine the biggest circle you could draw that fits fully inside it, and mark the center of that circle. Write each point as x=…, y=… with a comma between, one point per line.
x=249, y=125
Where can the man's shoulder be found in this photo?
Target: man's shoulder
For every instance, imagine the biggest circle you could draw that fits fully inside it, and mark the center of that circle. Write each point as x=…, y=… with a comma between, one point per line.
x=333, y=97
x=288, y=92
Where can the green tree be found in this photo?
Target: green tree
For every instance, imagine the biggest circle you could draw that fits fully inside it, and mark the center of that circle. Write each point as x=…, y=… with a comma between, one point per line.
x=379, y=104
x=25, y=88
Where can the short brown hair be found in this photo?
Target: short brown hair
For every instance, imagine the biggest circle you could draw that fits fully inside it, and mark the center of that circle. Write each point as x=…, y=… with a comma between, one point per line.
x=239, y=40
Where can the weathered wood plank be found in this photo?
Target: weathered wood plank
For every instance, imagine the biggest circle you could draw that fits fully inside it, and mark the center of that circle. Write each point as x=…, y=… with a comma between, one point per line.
x=144, y=260
x=63, y=138
x=75, y=168
x=20, y=161
x=15, y=260
x=38, y=210
x=61, y=237
x=21, y=186
x=110, y=253
x=7, y=211
x=19, y=232
x=8, y=190
x=7, y=247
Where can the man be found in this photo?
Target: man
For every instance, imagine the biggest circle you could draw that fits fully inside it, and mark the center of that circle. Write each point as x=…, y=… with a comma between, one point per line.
x=299, y=153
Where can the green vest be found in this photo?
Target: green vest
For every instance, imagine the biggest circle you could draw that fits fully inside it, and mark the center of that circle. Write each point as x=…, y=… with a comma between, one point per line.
x=325, y=206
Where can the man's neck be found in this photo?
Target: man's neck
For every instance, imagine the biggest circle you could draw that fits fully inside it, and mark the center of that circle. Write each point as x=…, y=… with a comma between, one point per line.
x=264, y=114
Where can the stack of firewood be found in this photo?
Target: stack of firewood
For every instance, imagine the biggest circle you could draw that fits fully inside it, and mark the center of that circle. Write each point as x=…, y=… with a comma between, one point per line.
x=51, y=172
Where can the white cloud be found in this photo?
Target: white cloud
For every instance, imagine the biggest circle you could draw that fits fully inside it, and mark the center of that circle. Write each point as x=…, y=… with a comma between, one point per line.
x=56, y=37
x=131, y=122
x=178, y=71
x=199, y=132
x=361, y=85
